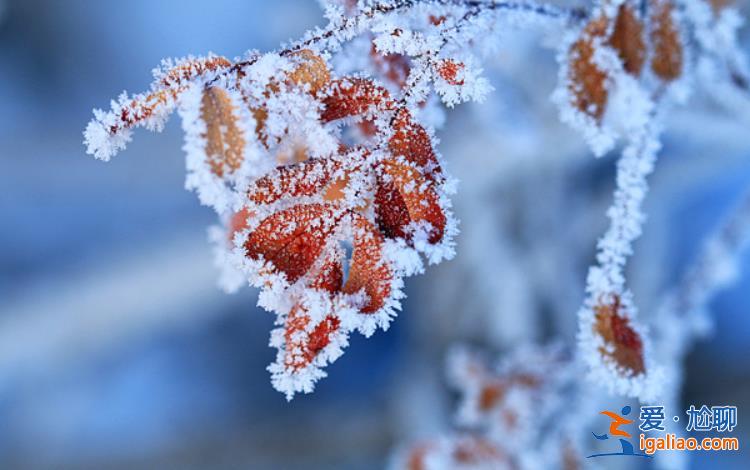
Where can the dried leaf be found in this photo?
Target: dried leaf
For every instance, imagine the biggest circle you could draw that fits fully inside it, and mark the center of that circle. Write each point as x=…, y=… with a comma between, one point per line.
x=667, y=59
x=475, y=450
x=353, y=97
x=627, y=39
x=238, y=222
x=587, y=80
x=260, y=115
x=303, y=343
x=225, y=143
x=368, y=271
x=411, y=141
x=491, y=394
x=392, y=215
x=108, y=132
x=300, y=346
x=718, y=5
x=317, y=203
x=303, y=179
x=310, y=69
x=291, y=240
x=623, y=344
x=335, y=190
x=418, y=198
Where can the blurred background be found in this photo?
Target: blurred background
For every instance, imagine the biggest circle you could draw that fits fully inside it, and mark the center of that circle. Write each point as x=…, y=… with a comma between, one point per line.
x=118, y=351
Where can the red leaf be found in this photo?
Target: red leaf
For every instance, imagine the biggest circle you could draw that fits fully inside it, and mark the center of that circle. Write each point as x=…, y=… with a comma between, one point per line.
x=391, y=212
x=291, y=240
x=353, y=97
x=368, y=270
x=302, y=347
x=616, y=331
x=329, y=276
x=302, y=179
x=449, y=69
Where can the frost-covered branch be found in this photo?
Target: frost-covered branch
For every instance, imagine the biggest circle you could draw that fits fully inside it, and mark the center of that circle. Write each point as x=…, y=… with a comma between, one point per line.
x=322, y=164
x=611, y=341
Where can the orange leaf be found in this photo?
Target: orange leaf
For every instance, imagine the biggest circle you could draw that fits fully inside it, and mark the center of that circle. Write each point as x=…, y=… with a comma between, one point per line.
x=301, y=345
x=169, y=85
x=335, y=191
x=238, y=222
x=394, y=67
x=392, y=215
x=329, y=276
x=310, y=69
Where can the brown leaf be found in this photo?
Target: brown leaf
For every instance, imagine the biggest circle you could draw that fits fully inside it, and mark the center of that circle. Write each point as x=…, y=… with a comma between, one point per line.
x=224, y=139
x=472, y=450
x=718, y=5
x=391, y=213
x=309, y=69
x=335, y=191
x=168, y=87
x=301, y=346
x=587, y=81
x=667, y=59
x=238, y=223
x=627, y=39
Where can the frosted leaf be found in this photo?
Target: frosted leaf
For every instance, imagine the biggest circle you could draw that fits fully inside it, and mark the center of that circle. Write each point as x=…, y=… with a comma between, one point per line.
x=667, y=61
x=458, y=82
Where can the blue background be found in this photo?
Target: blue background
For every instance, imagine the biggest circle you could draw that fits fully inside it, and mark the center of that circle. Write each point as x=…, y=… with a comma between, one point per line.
x=117, y=350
